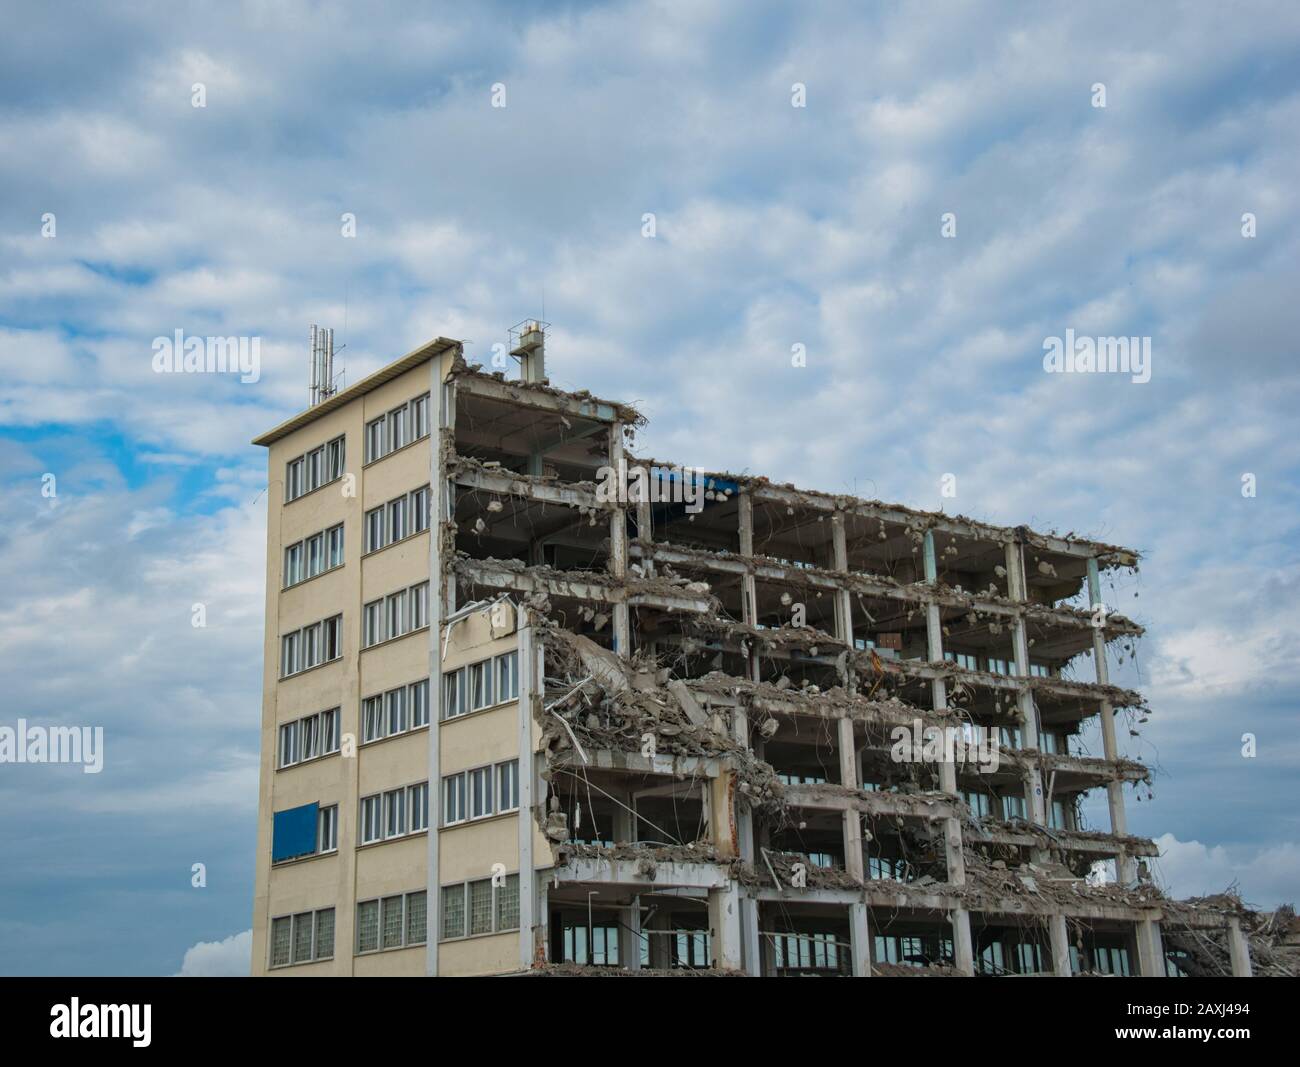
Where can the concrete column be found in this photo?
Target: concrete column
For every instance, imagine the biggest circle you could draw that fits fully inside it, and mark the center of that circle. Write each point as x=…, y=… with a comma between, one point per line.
x=964, y=957
x=1114, y=790
x=860, y=940
x=1060, y=936
x=1239, y=951
x=629, y=937
x=840, y=561
x=852, y=819
x=724, y=925
x=1151, y=952
x=618, y=544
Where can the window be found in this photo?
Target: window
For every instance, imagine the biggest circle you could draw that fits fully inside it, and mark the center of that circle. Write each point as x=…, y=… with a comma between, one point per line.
x=327, y=829
x=507, y=904
x=373, y=623
x=316, y=468
x=1013, y=807
x=302, y=938
x=372, y=719
x=395, y=709
x=397, y=428
x=508, y=786
x=507, y=676
x=998, y=666
x=480, y=793
x=395, y=615
x=329, y=731
x=280, y=940
x=293, y=564
x=288, y=744
x=293, y=479
x=303, y=935
x=375, y=439
x=1039, y=670
x=394, y=813
x=962, y=660
x=315, y=555
x=392, y=923
x=417, y=919
x=978, y=803
x=419, y=510
x=332, y=647
x=325, y=934
x=418, y=806
x=289, y=654
x=371, y=819
x=480, y=906
x=453, y=799
x=367, y=926
x=420, y=704
x=453, y=694
x=334, y=459
x=397, y=519
x=309, y=737
x=310, y=646
x=375, y=529
x=419, y=606
x=470, y=794
x=419, y=417
x=453, y=911
x=480, y=684
x=315, y=461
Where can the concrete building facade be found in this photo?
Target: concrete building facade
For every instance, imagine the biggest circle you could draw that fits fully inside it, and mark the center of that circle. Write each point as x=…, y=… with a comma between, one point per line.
x=534, y=705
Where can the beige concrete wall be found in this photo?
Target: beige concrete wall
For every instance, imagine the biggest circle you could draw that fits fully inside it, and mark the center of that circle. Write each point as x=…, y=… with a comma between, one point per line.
x=391, y=867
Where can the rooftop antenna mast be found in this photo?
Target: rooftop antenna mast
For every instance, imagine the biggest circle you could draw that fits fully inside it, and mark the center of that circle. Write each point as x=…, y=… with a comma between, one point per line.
x=321, y=343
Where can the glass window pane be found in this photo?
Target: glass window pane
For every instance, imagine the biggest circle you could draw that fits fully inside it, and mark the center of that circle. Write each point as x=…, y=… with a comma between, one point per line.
x=368, y=926
x=453, y=911
x=480, y=906
x=325, y=933
x=508, y=904
x=416, y=918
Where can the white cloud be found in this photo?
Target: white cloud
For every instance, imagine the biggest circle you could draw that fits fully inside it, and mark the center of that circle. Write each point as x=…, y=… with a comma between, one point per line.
x=1265, y=877
x=231, y=958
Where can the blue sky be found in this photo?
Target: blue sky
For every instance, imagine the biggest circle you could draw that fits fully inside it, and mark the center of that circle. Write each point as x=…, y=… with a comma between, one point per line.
x=774, y=226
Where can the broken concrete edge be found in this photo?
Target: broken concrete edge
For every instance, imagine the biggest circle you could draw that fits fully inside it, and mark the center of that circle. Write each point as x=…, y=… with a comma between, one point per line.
x=1107, y=555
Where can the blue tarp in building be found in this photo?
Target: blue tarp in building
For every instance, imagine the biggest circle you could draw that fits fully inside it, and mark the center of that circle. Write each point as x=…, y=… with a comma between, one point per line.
x=293, y=833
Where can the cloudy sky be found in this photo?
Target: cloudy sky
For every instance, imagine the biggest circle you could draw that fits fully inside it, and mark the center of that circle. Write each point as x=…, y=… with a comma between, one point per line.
x=774, y=226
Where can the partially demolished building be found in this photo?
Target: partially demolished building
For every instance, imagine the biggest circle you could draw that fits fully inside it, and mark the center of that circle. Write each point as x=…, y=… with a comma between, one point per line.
x=536, y=705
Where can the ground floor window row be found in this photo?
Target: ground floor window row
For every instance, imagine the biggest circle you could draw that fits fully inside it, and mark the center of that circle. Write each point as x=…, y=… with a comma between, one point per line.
x=397, y=921
x=302, y=938
x=483, y=906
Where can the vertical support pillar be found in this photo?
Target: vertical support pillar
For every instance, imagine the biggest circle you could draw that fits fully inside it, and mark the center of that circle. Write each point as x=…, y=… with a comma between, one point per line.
x=724, y=925
x=1151, y=952
x=860, y=940
x=1060, y=945
x=1114, y=790
x=618, y=543
x=528, y=682
x=952, y=840
x=442, y=398
x=1027, y=710
x=629, y=937
x=852, y=818
x=748, y=586
x=1239, y=951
